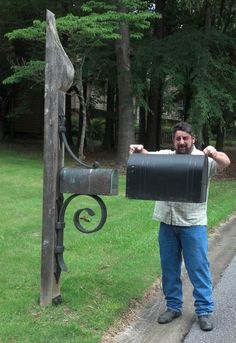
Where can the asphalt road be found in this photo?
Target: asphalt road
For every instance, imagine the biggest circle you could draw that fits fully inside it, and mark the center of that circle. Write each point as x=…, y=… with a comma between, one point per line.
x=224, y=314
x=143, y=328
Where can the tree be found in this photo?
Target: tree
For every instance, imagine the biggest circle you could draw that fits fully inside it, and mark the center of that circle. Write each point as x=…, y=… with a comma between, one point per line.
x=126, y=116
x=197, y=62
x=189, y=54
x=14, y=55
x=153, y=139
x=93, y=31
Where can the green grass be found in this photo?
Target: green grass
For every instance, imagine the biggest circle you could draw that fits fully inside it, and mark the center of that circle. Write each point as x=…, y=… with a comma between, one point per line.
x=108, y=270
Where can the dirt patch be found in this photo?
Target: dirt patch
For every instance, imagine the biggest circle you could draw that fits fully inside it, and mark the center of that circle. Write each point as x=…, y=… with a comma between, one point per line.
x=136, y=307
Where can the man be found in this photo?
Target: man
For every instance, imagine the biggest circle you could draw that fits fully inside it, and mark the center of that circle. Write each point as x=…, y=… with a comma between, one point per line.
x=183, y=234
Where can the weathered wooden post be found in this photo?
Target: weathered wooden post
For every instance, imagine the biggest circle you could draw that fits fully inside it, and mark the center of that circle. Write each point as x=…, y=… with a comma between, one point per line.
x=59, y=74
x=89, y=180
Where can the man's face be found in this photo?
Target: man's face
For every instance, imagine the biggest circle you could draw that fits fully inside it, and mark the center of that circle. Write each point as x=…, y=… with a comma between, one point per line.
x=183, y=142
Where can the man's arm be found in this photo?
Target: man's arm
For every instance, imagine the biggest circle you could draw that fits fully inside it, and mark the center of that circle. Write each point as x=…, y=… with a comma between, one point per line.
x=138, y=148
x=221, y=158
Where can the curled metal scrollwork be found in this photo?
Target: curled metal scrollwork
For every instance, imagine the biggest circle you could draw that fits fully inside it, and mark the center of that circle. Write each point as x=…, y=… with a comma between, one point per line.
x=90, y=212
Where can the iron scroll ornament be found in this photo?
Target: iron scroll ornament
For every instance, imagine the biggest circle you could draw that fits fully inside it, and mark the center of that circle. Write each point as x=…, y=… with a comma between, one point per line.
x=59, y=249
x=90, y=212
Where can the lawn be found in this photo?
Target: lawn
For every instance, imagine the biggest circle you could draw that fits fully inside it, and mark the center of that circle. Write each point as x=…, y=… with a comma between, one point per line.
x=108, y=270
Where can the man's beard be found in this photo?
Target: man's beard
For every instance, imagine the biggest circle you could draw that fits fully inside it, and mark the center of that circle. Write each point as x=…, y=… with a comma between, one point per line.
x=184, y=150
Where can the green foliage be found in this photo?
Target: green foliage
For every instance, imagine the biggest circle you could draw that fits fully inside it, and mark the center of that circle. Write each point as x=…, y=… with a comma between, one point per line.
x=106, y=6
x=35, y=32
x=32, y=70
x=96, y=129
x=89, y=26
x=194, y=62
x=214, y=80
x=105, y=25
x=85, y=34
x=193, y=5
x=89, y=6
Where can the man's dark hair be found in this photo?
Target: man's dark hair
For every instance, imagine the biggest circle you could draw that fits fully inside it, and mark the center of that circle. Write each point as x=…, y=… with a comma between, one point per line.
x=183, y=126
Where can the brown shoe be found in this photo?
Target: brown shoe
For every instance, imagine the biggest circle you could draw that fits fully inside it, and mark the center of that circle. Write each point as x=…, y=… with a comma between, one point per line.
x=205, y=322
x=168, y=316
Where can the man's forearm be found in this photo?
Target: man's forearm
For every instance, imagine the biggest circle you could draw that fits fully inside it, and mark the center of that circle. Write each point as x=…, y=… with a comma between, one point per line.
x=220, y=157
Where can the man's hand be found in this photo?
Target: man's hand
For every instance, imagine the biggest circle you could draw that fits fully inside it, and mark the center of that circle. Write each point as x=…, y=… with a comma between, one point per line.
x=137, y=148
x=221, y=158
x=210, y=151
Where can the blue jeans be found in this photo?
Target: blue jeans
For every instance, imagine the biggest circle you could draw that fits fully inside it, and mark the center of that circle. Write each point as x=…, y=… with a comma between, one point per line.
x=191, y=243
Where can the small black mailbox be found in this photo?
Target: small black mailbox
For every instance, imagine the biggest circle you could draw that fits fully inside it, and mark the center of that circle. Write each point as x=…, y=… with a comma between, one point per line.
x=181, y=178
x=89, y=181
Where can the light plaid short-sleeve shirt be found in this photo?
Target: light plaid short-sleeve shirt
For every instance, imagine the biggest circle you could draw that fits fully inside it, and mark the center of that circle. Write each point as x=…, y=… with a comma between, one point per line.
x=184, y=214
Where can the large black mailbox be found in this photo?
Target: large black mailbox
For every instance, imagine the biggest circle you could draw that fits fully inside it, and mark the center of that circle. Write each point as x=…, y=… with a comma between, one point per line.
x=181, y=178
x=89, y=181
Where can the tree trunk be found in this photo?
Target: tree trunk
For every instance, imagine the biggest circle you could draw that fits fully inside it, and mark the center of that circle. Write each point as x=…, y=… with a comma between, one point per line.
x=220, y=17
x=229, y=16
x=1, y=120
x=109, y=138
x=208, y=17
x=80, y=115
x=68, y=121
x=153, y=136
x=187, y=102
x=1, y=131
x=220, y=138
x=204, y=128
x=84, y=116
x=205, y=136
x=142, y=125
x=83, y=131
x=83, y=109
x=80, y=124
x=125, y=116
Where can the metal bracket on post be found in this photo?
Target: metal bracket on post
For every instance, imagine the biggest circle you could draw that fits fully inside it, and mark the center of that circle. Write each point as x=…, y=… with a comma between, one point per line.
x=89, y=180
